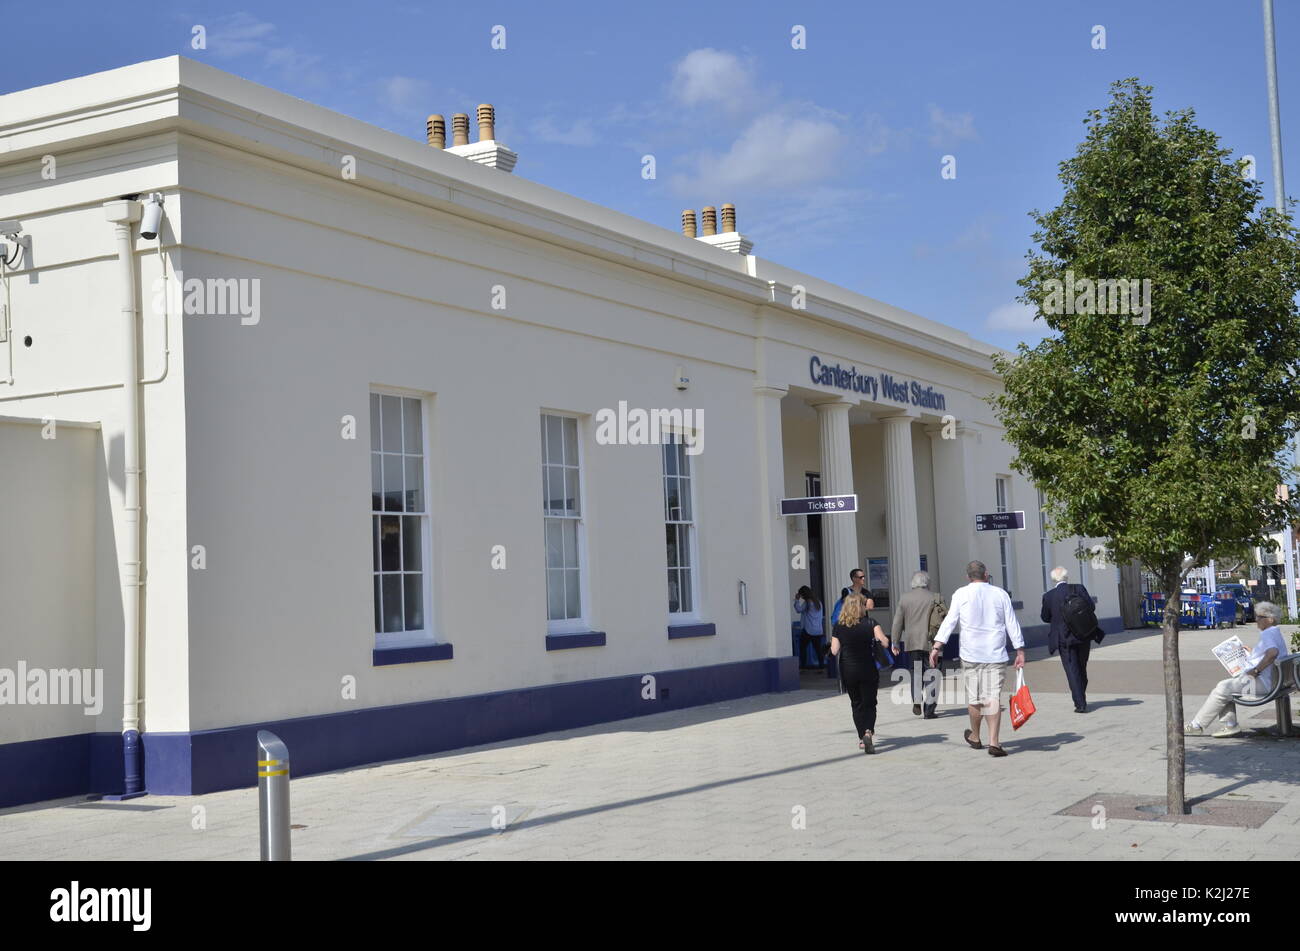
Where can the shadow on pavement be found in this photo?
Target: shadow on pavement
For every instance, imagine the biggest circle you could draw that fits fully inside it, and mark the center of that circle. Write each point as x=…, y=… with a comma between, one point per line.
x=540, y=821
x=1117, y=702
x=891, y=743
x=1247, y=759
x=1040, y=744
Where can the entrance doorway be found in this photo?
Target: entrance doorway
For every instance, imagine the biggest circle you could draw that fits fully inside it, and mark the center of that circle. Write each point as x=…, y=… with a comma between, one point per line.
x=813, y=487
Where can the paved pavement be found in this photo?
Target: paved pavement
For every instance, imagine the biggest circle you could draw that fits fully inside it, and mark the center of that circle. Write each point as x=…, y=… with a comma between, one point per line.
x=773, y=776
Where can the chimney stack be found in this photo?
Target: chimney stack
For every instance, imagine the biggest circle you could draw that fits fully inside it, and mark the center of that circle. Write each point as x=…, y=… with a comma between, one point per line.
x=729, y=239
x=709, y=216
x=460, y=129
x=435, y=130
x=486, y=123
x=486, y=151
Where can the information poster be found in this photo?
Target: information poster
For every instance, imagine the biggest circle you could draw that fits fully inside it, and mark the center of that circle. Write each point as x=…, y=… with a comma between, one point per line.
x=878, y=580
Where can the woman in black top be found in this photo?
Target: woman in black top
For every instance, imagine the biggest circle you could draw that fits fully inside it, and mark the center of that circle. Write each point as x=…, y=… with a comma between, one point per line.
x=851, y=642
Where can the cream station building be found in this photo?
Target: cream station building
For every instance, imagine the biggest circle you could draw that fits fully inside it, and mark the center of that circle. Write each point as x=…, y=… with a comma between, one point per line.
x=312, y=427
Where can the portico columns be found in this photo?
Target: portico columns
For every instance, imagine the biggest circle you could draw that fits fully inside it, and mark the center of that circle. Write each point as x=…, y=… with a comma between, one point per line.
x=900, y=506
x=955, y=501
x=774, y=602
x=839, y=534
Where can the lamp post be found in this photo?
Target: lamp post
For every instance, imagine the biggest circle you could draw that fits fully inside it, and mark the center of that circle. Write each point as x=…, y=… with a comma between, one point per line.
x=1279, y=202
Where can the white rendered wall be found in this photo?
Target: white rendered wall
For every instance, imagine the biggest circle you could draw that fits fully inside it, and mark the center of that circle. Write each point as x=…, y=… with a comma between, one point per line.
x=69, y=304
x=47, y=566
x=283, y=612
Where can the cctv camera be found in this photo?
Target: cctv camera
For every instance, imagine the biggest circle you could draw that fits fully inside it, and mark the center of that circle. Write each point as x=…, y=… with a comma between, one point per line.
x=10, y=228
x=152, y=216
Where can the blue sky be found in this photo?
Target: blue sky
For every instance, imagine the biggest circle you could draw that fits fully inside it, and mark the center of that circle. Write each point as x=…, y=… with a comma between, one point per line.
x=832, y=154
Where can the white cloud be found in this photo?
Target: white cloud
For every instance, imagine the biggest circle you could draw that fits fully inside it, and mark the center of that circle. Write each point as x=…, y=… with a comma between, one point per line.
x=577, y=132
x=1015, y=316
x=404, y=93
x=768, y=154
x=947, y=128
x=875, y=136
x=812, y=217
x=713, y=76
x=238, y=34
x=242, y=34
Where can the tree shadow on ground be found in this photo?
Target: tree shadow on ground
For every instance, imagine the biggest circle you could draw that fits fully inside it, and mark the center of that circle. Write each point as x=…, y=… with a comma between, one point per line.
x=541, y=821
x=1249, y=759
x=1040, y=744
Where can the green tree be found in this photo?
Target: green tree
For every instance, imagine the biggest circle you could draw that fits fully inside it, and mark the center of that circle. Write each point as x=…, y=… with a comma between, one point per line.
x=1159, y=426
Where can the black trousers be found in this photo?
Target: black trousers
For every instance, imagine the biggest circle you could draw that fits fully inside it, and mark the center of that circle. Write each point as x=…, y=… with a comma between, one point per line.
x=818, y=644
x=1075, y=661
x=920, y=664
x=861, y=682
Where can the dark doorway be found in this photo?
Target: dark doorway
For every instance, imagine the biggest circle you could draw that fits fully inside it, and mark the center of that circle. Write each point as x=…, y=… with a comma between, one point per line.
x=813, y=487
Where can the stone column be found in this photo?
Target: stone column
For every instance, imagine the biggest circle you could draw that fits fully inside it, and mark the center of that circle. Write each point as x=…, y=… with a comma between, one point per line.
x=839, y=532
x=770, y=597
x=955, y=504
x=900, y=507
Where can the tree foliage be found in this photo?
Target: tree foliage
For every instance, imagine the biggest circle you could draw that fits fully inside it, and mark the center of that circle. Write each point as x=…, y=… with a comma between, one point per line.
x=1160, y=432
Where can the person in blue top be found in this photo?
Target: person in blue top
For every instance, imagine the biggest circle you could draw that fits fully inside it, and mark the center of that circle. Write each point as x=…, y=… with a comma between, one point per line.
x=809, y=610
x=858, y=585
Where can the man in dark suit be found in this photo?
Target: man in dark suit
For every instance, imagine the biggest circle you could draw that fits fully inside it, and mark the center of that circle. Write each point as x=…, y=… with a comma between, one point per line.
x=1074, y=653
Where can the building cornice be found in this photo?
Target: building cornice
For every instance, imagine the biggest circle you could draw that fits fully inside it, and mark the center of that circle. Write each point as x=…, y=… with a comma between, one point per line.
x=178, y=94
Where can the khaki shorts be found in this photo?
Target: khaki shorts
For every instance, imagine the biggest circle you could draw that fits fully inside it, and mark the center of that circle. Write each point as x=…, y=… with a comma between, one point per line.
x=984, y=684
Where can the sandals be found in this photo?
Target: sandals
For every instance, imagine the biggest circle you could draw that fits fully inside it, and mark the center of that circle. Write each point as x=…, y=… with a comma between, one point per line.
x=997, y=751
x=866, y=744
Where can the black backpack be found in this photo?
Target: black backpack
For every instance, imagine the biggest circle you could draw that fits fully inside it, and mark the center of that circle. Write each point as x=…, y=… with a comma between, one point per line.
x=1079, y=614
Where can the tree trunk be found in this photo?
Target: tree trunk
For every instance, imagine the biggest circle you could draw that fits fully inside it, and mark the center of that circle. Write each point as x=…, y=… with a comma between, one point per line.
x=1175, y=748
x=1130, y=594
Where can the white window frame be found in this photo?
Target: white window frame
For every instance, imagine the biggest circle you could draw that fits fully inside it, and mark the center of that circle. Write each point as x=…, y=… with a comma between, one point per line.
x=1006, y=549
x=428, y=635
x=582, y=623
x=697, y=575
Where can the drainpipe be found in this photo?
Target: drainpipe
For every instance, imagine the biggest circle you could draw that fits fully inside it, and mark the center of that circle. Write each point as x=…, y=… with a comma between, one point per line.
x=122, y=213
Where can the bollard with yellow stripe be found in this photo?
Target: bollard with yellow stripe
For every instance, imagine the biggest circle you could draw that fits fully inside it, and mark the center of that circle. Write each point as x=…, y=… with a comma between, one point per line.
x=273, y=796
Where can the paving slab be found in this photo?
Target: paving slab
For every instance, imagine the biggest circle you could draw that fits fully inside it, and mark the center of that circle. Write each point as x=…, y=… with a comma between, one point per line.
x=771, y=776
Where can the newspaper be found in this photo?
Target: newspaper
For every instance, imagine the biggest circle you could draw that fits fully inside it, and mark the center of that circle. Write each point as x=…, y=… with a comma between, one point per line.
x=1232, y=655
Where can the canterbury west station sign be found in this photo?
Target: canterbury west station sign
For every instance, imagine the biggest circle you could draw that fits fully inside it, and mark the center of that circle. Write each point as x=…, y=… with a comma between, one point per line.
x=881, y=386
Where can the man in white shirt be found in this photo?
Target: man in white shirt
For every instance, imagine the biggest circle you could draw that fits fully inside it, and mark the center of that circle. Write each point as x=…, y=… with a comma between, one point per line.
x=1254, y=681
x=987, y=619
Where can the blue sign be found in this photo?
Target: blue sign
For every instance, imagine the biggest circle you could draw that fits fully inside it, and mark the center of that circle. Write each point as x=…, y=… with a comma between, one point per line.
x=882, y=385
x=820, y=505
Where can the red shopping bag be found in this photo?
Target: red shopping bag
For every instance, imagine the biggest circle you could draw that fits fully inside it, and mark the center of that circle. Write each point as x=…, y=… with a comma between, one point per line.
x=1022, y=704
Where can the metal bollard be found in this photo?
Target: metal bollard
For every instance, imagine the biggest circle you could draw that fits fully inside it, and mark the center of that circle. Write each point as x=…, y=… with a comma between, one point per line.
x=273, y=796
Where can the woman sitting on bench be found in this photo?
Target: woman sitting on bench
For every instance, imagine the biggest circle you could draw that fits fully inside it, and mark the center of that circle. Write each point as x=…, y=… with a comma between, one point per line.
x=1255, y=681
